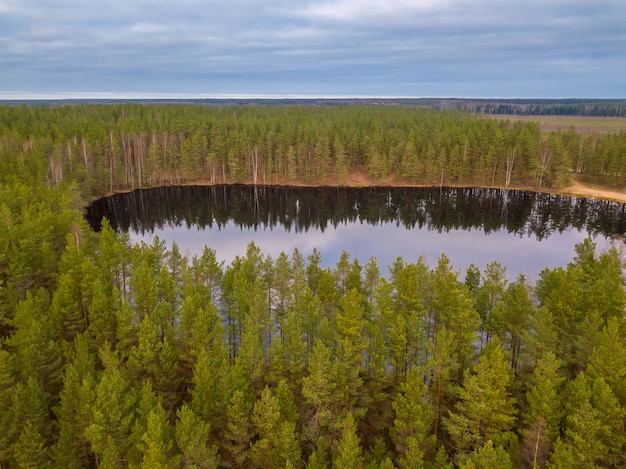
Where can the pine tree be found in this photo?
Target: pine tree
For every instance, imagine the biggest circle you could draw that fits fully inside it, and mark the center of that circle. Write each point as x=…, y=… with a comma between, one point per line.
x=413, y=456
x=351, y=347
x=147, y=401
x=442, y=366
x=73, y=417
x=238, y=431
x=209, y=395
x=157, y=442
x=488, y=457
x=517, y=309
x=486, y=409
x=29, y=421
x=30, y=451
x=286, y=402
x=194, y=441
x=37, y=350
x=112, y=414
x=7, y=382
x=594, y=425
x=348, y=450
x=265, y=422
x=413, y=416
x=608, y=360
x=543, y=396
x=287, y=447
x=250, y=364
x=452, y=308
x=318, y=390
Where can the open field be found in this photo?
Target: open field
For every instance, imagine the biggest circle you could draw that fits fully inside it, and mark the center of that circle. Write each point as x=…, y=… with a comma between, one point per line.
x=584, y=125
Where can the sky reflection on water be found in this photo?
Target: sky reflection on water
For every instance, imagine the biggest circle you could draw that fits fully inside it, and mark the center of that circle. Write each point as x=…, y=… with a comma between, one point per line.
x=520, y=254
x=524, y=231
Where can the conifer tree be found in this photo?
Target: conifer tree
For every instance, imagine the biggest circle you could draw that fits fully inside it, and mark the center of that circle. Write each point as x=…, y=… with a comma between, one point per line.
x=318, y=390
x=486, y=409
x=488, y=457
x=30, y=450
x=74, y=414
x=543, y=395
x=7, y=382
x=413, y=456
x=194, y=441
x=29, y=427
x=265, y=420
x=442, y=366
x=209, y=395
x=351, y=347
x=348, y=454
x=413, y=417
x=157, y=443
x=451, y=307
x=594, y=424
x=112, y=414
x=608, y=360
x=238, y=431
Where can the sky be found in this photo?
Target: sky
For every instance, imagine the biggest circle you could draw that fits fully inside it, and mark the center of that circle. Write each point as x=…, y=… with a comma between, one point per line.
x=312, y=48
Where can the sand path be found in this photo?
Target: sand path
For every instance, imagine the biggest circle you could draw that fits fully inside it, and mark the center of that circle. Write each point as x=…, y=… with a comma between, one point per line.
x=594, y=192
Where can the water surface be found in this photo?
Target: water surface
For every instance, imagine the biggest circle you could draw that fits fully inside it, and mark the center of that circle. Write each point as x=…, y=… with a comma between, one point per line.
x=524, y=231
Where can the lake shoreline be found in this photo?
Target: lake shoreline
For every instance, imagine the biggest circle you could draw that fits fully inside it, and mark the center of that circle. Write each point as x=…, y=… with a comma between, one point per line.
x=576, y=189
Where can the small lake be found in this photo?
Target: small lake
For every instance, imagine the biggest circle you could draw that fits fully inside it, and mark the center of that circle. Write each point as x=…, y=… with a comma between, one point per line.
x=524, y=231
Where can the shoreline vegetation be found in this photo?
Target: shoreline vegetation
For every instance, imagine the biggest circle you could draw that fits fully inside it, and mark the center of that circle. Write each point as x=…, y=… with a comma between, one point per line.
x=116, y=355
x=576, y=189
x=109, y=148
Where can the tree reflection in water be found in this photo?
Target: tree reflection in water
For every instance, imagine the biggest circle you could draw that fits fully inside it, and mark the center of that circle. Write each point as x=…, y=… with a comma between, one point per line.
x=516, y=228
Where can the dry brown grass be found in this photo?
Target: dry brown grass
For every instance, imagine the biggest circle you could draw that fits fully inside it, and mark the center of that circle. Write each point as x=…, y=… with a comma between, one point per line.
x=584, y=125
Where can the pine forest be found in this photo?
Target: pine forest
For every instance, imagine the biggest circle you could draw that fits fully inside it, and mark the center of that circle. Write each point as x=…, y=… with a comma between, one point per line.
x=115, y=354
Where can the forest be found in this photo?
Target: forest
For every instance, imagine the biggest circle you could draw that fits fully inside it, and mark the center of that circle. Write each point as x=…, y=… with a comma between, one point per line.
x=105, y=149
x=114, y=354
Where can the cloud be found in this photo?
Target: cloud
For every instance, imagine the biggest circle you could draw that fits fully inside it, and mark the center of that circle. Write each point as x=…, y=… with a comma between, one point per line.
x=402, y=47
x=358, y=10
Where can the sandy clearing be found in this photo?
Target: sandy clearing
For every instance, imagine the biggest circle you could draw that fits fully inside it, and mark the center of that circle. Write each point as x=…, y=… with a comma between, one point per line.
x=582, y=190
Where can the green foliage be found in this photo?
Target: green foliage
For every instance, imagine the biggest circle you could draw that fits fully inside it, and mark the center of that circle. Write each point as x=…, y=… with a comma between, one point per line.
x=413, y=418
x=238, y=431
x=348, y=451
x=488, y=457
x=30, y=451
x=112, y=415
x=121, y=355
x=485, y=410
x=131, y=146
x=307, y=363
x=545, y=410
x=194, y=441
x=157, y=442
x=594, y=424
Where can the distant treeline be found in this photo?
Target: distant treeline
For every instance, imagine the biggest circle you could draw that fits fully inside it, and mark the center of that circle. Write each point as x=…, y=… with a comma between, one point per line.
x=519, y=107
x=106, y=148
x=583, y=108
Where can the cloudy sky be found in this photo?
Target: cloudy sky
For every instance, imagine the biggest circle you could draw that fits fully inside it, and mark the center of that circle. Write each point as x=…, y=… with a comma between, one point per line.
x=335, y=48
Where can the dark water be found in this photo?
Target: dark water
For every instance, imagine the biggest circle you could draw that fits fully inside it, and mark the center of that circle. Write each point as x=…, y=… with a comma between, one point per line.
x=524, y=231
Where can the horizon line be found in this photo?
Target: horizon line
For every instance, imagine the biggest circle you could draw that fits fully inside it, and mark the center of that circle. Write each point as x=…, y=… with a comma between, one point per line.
x=97, y=95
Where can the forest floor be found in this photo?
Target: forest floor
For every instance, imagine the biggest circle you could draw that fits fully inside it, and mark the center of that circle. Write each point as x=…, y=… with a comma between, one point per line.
x=361, y=179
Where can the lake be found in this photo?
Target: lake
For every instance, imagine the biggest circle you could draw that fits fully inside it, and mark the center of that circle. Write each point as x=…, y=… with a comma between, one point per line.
x=524, y=231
